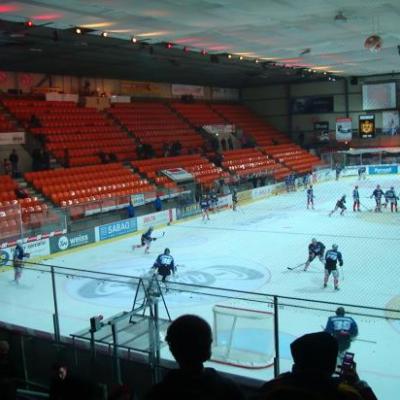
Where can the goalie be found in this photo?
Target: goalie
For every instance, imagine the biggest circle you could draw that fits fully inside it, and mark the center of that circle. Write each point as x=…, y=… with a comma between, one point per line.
x=164, y=266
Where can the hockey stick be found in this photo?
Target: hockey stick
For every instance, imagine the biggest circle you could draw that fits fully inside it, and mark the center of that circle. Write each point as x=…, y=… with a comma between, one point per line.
x=342, y=272
x=356, y=339
x=161, y=236
x=297, y=266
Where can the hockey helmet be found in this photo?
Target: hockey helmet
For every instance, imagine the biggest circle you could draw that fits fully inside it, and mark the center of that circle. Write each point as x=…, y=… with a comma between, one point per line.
x=335, y=246
x=356, y=187
x=313, y=240
x=167, y=251
x=340, y=311
x=391, y=187
x=19, y=241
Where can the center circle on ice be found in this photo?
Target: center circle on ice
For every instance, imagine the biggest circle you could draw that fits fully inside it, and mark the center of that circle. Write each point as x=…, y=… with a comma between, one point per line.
x=119, y=292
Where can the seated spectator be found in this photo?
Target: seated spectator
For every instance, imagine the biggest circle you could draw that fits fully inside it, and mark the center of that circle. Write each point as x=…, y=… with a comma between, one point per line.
x=112, y=157
x=189, y=338
x=34, y=122
x=103, y=157
x=8, y=377
x=314, y=358
x=21, y=193
x=64, y=386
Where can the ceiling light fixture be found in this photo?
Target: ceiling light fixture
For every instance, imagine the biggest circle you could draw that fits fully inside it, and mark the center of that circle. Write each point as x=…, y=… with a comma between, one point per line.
x=29, y=24
x=241, y=58
x=78, y=31
x=229, y=56
x=104, y=34
x=257, y=60
x=133, y=39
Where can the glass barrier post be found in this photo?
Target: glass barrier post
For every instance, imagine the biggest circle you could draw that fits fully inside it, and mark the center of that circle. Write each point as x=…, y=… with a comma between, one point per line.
x=276, y=336
x=56, y=321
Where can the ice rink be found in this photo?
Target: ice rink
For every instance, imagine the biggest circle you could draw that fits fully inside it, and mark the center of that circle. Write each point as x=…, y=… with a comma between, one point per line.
x=248, y=250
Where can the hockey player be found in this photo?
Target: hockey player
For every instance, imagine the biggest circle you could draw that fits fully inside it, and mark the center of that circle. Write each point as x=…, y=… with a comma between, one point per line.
x=164, y=266
x=356, y=199
x=343, y=328
x=361, y=172
x=18, y=259
x=391, y=197
x=338, y=170
x=377, y=194
x=315, y=249
x=213, y=200
x=145, y=240
x=310, y=197
x=205, y=205
x=234, y=199
x=340, y=204
x=332, y=257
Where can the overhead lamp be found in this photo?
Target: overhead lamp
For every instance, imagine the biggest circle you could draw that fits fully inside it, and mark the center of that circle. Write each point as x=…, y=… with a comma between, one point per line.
x=78, y=31
x=104, y=34
x=133, y=39
x=241, y=58
x=169, y=45
x=257, y=61
x=229, y=56
x=29, y=24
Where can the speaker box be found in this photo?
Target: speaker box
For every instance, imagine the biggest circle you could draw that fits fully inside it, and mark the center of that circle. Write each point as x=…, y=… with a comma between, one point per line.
x=354, y=80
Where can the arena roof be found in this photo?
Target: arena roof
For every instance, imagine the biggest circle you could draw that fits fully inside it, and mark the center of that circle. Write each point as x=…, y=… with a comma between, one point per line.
x=310, y=34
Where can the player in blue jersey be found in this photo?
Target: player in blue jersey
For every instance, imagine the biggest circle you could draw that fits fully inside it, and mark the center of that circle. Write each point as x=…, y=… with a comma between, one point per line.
x=315, y=249
x=145, y=240
x=391, y=198
x=205, y=206
x=340, y=204
x=377, y=194
x=310, y=197
x=361, y=172
x=164, y=266
x=332, y=257
x=18, y=260
x=213, y=200
x=356, y=199
x=343, y=328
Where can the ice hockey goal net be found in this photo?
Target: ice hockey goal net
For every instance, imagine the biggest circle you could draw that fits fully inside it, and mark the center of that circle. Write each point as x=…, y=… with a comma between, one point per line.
x=243, y=337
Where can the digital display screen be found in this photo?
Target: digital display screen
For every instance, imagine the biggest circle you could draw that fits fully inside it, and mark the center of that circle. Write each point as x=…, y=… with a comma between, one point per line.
x=366, y=126
x=379, y=96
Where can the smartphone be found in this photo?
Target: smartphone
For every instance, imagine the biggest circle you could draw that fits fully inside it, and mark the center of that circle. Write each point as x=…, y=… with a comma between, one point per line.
x=347, y=363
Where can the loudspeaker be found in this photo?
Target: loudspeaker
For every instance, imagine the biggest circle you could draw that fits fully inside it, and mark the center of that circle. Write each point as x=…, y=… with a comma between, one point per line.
x=354, y=80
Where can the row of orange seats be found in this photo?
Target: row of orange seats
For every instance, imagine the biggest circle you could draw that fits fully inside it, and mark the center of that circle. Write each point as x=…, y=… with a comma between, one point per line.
x=86, y=136
x=75, y=130
x=90, y=144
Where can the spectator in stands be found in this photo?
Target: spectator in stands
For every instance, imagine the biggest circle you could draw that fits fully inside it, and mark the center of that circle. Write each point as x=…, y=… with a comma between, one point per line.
x=112, y=157
x=166, y=149
x=45, y=160
x=36, y=159
x=314, y=358
x=343, y=328
x=103, y=157
x=64, y=386
x=131, y=209
x=6, y=167
x=14, y=159
x=139, y=149
x=189, y=339
x=223, y=144
x=66, y=158
x=34, y=122
x=8, y=376
x=21, y=193
x=158, y=204
x=230, y=143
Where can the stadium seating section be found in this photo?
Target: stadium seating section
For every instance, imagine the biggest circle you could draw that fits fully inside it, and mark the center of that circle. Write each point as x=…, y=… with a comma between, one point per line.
x=293, y=156
x=198, y=114
x=85, y=132
x=252, y=161
x=20, y=215
x=156, y=124
x=203, y=170
x=82, y=185
x=251, y=124
x=5, y=124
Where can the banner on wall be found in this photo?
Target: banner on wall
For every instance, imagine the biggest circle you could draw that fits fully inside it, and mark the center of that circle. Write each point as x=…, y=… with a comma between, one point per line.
x=311, y=105
x=390, y=123
x=140, y=88
x=216, y=129
x=225, y=94
x=62, y=97
x=321, y=129
x=344, y=131
x=36, y=248
x=115, y=229
x=12, y=138
x=366, y=126
x=137, y=199
x=162, y=217
x=71, y=240
x=188, y=90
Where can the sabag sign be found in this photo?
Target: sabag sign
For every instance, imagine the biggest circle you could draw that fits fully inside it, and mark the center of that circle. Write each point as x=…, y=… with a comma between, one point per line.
x=115, y=229
x=383, y=169
x=71, y=240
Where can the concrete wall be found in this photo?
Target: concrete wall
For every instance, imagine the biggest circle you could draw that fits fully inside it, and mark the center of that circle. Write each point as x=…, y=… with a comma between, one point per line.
x=272, y=102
